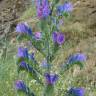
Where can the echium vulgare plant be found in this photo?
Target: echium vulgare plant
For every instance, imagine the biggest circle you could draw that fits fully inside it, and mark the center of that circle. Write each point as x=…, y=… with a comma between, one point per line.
x=48, y=40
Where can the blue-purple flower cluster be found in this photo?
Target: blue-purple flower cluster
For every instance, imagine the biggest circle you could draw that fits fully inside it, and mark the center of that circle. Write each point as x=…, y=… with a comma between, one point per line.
x=78, y=57
x=66, y=7
x=22, y=52
x=43, y=9
x=38, y=35
x=58, y=37
x=76, y=92
x=51, y=78
x=23, y=28
x=20, y=86
x=25, y=66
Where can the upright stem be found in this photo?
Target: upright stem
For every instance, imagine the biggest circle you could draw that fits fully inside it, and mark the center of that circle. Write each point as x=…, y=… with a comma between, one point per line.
x=49, y=90
x=48, y=54
x=48, y=41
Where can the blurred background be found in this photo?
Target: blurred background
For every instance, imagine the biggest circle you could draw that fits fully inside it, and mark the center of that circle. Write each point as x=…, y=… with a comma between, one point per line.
x=80, y=33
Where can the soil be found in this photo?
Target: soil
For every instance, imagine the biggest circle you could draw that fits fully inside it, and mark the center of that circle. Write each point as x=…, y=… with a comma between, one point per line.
x=10, y=11
x=85, y=12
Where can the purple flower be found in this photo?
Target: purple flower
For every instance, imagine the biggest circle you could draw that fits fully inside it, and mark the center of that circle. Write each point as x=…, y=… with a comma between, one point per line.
x=38, y=35
x=54, y=36
x=22, y=52
x=58, y=37
x=77, y=91
x=20, y=86
x=23, y=28
x=60, y=8
x=78, y=57
x=25, y=66
x=66, y=7
x=43, y=9
x=51, y=78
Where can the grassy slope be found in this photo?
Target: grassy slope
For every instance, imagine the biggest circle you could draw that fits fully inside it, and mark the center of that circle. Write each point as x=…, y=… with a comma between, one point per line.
x=7, y=74
x=85, y=77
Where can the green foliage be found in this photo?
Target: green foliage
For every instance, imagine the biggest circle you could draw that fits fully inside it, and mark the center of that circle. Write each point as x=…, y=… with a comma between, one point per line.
x=68, y=66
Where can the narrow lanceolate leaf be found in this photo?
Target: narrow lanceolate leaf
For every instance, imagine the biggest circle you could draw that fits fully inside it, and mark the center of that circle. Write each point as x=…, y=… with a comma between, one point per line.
x=35, y=76
x=19, y=60
x=32, y=94
x=54, y=51
x=28, y=68
x=23, y=89
x=23, y=37
x=66, y=14
x=68, y=66
x=56, y=1
x=75, y=59
x=39, y=46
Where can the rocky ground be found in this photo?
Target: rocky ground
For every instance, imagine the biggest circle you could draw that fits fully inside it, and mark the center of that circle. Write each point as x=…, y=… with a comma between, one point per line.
x=10, y=11
x=85, y=12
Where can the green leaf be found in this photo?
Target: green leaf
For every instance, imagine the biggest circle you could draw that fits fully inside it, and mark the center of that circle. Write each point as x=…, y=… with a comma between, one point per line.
x=66, y=14
x=20, y=59
x=68, y=66
x=39, y=46
x=43, y=25
x=56, y=1
x=81, y=65
x=33, y=72
x=23, y=37
x=55, y=48
x=21, y=93
x=27, y=92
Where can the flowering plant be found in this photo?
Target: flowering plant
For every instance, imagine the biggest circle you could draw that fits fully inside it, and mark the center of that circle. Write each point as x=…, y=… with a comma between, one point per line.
x=48, y=40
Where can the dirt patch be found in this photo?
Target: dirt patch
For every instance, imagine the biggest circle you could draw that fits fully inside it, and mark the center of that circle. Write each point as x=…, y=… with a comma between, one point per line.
x=10, y=10
x=85, y=12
